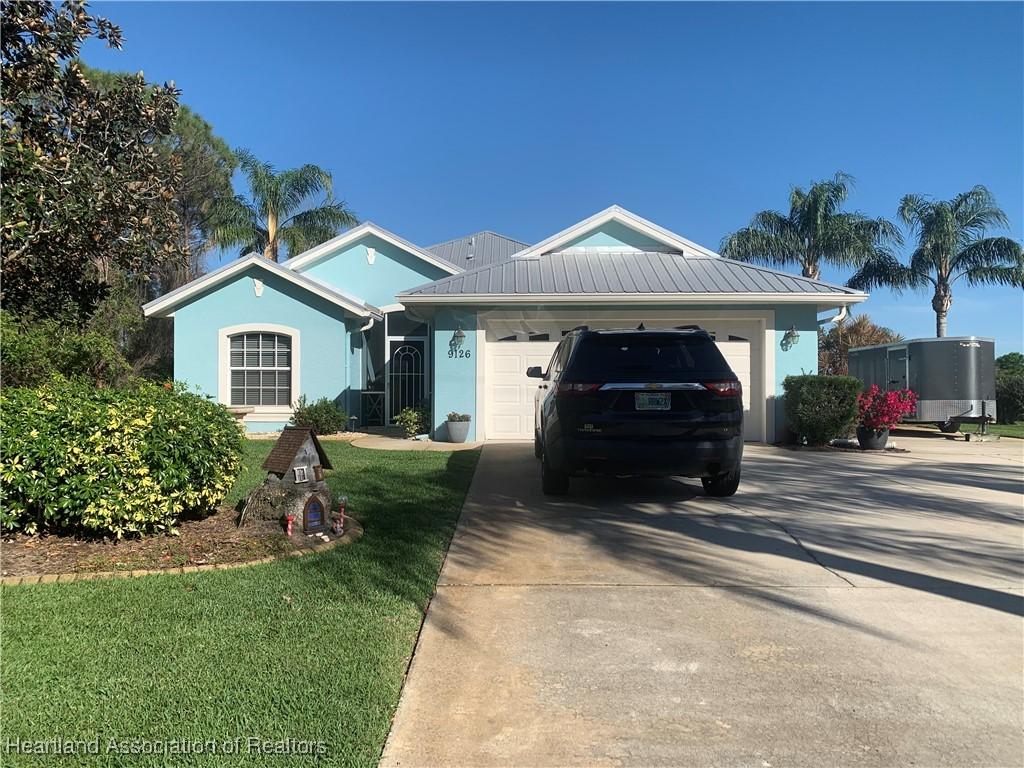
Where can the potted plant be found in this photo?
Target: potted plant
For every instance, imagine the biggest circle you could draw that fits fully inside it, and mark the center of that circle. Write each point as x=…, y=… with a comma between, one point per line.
x=458, y=427
x=879, y=412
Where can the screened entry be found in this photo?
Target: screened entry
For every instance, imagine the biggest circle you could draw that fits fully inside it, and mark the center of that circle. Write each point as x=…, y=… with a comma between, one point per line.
x=395, y=368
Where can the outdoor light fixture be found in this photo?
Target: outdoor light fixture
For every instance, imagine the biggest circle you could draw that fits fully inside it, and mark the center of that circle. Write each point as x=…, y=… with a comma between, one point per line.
x=458, y=338
x=791, y=338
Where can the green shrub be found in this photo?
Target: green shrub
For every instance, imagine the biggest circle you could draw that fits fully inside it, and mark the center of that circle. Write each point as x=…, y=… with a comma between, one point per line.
x=1009, y=396
x=413, y=420
x=322, y=416
x=821, y=408
x=456, y=416
x=34, y=352
x=75, y=458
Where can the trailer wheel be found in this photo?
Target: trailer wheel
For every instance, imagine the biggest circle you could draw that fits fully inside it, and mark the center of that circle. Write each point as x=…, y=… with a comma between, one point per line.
x=949, y=427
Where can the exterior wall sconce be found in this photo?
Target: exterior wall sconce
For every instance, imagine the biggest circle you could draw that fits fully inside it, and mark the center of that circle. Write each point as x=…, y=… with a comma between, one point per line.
x=791, y=338
x=458, y=339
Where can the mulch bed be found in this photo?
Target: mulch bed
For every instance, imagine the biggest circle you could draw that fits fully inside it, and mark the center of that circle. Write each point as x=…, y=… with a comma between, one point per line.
x=212, y=540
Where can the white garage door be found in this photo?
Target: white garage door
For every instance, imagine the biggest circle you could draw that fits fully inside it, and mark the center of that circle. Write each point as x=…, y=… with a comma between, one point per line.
x=509, y=394
x=737, y=355
x=509, y=391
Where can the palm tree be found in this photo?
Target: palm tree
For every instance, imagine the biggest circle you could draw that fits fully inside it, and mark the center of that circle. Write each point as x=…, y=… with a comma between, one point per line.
x=275, y=218
x=814, y=232
x=951, y=246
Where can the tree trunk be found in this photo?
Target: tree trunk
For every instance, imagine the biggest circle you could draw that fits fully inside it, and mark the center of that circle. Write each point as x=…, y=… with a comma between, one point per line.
x=811, y=270
x=270, y=251
x=941, y=302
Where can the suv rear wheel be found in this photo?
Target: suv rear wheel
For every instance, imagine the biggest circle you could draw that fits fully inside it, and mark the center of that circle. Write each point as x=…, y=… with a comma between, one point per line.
x=724, y=484
x=552, y=483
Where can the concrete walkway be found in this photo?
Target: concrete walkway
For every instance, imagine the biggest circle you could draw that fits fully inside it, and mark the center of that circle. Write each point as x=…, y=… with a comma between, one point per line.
x=842, y=609
x=388, y=443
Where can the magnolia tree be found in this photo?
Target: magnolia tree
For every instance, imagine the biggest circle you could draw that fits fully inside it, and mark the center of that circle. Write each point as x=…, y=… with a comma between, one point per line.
x=88, y=191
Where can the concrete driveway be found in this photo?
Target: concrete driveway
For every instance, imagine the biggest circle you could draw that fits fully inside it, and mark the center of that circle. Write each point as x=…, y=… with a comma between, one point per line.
x=841, y=609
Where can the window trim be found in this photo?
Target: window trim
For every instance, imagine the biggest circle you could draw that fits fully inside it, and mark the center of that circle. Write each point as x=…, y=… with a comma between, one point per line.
x=259, y=412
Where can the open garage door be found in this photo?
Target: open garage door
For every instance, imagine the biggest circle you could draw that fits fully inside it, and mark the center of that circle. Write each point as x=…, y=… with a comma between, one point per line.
x=508, y=393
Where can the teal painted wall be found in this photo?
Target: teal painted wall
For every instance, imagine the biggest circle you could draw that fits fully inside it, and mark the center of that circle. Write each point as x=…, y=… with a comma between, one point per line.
x=392, y=271
x=325, y=357
x=615, y=234
x=454, y=377
x=799, y=359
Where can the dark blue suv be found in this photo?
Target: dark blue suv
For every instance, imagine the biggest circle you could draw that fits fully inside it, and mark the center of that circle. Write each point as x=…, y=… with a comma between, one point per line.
x=639, y=402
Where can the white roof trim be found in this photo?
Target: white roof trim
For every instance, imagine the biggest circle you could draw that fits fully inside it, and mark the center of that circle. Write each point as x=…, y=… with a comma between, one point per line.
x=166, y=304
x=824, y=299
x=307, y=258
x=622, y=216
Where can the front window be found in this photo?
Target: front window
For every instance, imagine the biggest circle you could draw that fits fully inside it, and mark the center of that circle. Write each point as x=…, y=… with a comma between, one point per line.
x=261, y=369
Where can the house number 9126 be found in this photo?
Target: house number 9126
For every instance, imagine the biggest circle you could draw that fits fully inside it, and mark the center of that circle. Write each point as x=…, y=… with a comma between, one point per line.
x=460, y=353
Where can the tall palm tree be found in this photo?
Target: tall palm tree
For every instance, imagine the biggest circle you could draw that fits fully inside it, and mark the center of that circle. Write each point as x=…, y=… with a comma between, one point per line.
x=814, y=231
x=951, y=246
x=274, y=218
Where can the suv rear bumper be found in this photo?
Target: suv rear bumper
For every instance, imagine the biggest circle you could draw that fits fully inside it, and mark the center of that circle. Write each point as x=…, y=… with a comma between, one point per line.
x=687, y=458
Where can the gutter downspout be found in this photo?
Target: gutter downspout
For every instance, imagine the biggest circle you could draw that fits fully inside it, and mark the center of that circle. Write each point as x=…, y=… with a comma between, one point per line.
x=362, y=364
x=836, y=318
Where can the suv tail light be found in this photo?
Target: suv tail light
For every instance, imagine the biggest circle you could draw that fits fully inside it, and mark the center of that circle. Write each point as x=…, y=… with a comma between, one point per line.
x=724, y=388
x=566, y=388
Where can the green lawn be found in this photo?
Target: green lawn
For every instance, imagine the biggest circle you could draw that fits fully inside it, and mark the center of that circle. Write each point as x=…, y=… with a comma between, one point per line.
x=1006, y=430
x=311, y=649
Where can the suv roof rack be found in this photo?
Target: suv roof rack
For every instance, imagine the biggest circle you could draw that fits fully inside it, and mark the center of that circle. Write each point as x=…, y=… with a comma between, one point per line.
x=580, y=328
x=688, y=328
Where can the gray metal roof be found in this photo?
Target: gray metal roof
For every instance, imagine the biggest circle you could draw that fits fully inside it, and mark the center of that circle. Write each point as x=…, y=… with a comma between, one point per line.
x=633, y=273
x=478, y=250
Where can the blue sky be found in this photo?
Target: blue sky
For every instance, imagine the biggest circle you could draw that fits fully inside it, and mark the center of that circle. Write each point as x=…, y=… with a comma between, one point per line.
x=438, y=120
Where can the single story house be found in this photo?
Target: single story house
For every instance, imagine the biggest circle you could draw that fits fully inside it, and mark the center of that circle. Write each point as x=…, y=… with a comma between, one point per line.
x=378, y=324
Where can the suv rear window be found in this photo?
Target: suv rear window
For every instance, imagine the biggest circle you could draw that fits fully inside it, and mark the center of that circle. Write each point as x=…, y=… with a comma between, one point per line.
x=613, y=356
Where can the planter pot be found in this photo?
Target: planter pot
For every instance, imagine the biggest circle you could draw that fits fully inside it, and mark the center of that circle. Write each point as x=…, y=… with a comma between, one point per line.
x=872, y=439
x=458, y=431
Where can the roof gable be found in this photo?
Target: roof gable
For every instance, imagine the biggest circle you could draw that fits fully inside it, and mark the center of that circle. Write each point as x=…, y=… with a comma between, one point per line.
x=617, y=224
x=169, y=302
x=326, y=249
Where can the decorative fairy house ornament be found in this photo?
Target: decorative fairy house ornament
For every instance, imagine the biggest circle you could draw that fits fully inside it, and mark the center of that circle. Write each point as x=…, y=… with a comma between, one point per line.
x=295, y=484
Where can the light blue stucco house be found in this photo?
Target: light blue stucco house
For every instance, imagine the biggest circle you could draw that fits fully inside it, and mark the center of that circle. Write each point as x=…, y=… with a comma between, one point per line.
x=377, y=323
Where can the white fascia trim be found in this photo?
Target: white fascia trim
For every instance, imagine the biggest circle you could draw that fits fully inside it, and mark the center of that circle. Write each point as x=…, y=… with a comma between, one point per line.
x=307, y=258
x=832, y=299
x=622, y=216
x=260, y=412
x=164, y=306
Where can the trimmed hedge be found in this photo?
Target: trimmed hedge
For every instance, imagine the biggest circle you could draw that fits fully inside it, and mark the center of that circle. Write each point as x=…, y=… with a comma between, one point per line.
x=1009, y=397
x=322, y=416
x=821, y=408
x=75, y=458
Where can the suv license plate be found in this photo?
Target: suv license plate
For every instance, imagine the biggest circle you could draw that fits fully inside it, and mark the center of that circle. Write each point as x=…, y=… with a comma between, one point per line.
x=653, y=401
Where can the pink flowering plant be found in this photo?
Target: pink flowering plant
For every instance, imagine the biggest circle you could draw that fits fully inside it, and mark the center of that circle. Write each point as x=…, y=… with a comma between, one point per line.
x=883, y=410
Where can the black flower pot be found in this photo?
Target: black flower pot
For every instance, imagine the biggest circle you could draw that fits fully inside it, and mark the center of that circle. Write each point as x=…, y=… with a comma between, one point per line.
x=872, y=439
